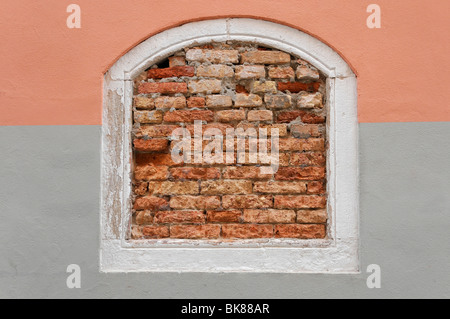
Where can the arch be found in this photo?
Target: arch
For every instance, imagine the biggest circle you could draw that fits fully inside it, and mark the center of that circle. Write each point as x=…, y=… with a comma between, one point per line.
x=337, y=253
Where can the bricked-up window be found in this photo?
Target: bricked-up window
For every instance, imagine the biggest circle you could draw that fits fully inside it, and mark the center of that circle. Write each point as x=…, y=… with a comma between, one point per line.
x=224, y=86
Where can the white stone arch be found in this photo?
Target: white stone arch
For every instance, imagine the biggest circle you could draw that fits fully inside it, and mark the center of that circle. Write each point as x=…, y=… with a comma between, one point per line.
x=338, y=253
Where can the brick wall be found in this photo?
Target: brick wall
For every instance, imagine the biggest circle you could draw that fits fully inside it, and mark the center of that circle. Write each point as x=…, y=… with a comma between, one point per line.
x=230, y=85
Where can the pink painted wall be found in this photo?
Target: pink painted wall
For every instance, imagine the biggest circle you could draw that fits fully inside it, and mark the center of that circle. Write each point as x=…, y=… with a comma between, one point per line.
x=52, y=75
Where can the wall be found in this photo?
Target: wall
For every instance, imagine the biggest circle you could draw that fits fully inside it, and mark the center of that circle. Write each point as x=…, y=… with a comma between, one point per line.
x=50, y=97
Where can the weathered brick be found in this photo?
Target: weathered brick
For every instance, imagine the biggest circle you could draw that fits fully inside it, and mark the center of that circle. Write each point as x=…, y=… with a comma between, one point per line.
x=179, y=217
x=215, y=71
x=302, y=231
x=300, y=173
x=155, y=231
x=264, y=87
x=307, y=74
x=196, y=102
x=316, y=187
x=173, y=188
x=213, y=101
x=226, y=216
x=226, y=187
x=305, y=117
x=141, y=188
x=281, y=72
x=177, y=61
x=247, y=231
x=308, y=159
x=148, y=172
x=155, y=130
x=150, y=202
x=244, y=172
x=213, y=56
x=300, y=201
x=195, y=173
x=247, y=201
x=148, y=117
x=278, y=101
x=312, y=118
x=154, y=159
x=142, y=102
x=318, y=216
x=274, y=187
x=168, y=102
x=176, y=71
x=270, y=216
x=195, y=202
x=305, y=131
x=152, y=145
x=195, y=231
x=162, y=87
x=250, y=72
x=310, y=101
x=208, y=127
x=260, y=115
x=230, y=115
x=295, y=87
x=295, y=144
x=144, y=217
x=265, y=57
x=189, y=116
x=247, y=100
x=205, y=86
x=282, y=129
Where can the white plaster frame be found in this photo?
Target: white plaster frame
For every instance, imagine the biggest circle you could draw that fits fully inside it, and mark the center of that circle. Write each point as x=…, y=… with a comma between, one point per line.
x=336, y=254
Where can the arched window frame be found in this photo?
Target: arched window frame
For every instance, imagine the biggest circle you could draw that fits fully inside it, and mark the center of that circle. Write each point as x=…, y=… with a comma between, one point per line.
x=338, y=253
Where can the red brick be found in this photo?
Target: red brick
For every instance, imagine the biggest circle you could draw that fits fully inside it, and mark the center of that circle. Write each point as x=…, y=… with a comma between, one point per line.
x=289, y=116
x=142, y=102
x=195, y=231
x=247, y=201
x=155, y=231
x=142, y=145
x=195, y=173
x=305, y=131
x=281, y=72
x=150, y=202
x=162, y=87
x=195, y=202
x=300, y=173
x=259, y=115
x=227, y=216
x=226, y=187
x=280, y=187
x=189, y=116
x=179, y=217
x=147, y=172
x=196, y=102
x=312, y=231
x=144, y=217
x=244, y=172
x=230, y=115
x=165, y=159
x=318, y=216
x=156, y=130
x=300, y=201
x=316, y=187
x=141, y=188
x=247, y=231
x=308, y=159
x=296, y=87
x=173, y=188
x=294, y=144
x=312, y=118
x=176, y=71
x=270, y=216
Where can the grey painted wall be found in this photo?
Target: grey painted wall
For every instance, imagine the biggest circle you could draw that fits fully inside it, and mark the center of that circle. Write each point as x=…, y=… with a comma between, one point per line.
x=49, y=204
